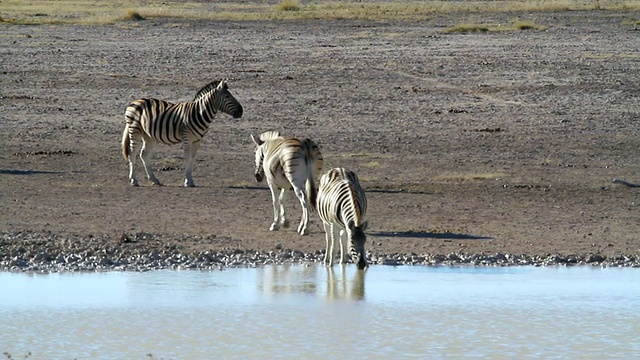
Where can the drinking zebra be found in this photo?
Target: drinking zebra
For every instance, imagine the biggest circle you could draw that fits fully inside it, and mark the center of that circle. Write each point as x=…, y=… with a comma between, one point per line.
x=342, y=206
x=288, y=163
x=151, y=121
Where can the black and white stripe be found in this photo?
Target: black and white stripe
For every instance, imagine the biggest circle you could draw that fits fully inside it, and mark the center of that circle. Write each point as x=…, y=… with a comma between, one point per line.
x=288, y=163
x=151, y=121
x=342, y=206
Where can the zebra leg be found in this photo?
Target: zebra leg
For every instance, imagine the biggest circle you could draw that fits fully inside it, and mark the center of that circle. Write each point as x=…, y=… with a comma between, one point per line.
x=302, y=228
x=190, y=150
x=276, y=207
x=328, y=231
x=334, y=232
x=284, y=222
x=133, y=149
x=343, y=246
x=145, y=155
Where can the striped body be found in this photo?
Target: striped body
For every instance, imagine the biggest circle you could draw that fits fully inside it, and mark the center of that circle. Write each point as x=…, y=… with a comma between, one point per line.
x=288, y=164
x=152, y=121
x=342, y=206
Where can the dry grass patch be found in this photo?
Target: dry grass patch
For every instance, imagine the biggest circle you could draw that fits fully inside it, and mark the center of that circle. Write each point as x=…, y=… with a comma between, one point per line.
x=90, y=12
x=469, y=176
x=526, y=25
x=513, y=25
x=289, y=5
x=467, y=28
x=132, y=15
x=371, y=164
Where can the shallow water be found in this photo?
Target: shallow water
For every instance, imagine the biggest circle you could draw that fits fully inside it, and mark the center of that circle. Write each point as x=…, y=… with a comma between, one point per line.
x=301, y=311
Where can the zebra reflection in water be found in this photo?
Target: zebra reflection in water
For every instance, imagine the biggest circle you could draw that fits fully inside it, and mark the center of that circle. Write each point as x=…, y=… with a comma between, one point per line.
x=341, y=288
x=307, y=279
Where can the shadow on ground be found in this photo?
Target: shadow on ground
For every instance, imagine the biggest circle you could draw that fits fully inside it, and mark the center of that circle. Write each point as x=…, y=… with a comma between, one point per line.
x=27, y=172
x=429, y=235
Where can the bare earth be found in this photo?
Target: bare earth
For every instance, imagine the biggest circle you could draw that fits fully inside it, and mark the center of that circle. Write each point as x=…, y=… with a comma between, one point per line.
x=500, y=142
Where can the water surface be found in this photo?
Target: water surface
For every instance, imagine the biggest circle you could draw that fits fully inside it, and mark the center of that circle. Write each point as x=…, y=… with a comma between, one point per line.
x=301, y=311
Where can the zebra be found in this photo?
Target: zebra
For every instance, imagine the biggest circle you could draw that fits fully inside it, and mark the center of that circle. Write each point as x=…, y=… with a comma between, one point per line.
x=288, y=163
x=152, y=121
x=342, y=206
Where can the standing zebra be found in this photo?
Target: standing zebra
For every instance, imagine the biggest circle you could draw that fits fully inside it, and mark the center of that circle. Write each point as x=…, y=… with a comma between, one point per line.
x=151, y=121
x=288, y=164
x=342, y=206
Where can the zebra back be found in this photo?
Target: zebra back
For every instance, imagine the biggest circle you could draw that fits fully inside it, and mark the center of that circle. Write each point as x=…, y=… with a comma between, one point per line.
x=289, y=154
x=341, y=198
x=299, y=161
x=314, y=162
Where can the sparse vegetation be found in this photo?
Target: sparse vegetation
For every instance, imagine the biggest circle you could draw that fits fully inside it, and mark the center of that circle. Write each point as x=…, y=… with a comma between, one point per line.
x=289, y=5
x=469, y=176
x=467, y=28
x=516, y=24
x=525, y=25
x=103, y=12
x=371, y=164
x=133, y=16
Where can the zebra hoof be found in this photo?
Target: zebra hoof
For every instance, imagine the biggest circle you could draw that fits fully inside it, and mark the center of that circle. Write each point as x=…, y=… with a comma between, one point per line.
x=188, y=183
x=273, y=227
x=134, y=182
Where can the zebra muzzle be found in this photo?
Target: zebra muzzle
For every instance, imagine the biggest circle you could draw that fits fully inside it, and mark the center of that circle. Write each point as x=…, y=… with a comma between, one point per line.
x=362, y=263
x=259, y=177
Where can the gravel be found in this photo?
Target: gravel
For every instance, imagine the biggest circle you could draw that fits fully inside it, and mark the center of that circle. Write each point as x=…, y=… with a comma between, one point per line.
x=44, y=253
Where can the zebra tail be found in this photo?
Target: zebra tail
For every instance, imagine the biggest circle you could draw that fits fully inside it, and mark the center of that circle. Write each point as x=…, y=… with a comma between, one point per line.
x=312, y=191
x=310, y=185
x=125, y=143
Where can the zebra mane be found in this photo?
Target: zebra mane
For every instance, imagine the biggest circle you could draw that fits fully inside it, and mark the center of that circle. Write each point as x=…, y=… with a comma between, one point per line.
x=207, y=89
x=269, y=135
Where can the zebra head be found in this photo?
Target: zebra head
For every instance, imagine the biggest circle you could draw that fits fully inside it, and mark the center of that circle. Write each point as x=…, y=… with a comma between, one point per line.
x=356, y=244
x=225, y=102
x=215, y=96
x=259, y=173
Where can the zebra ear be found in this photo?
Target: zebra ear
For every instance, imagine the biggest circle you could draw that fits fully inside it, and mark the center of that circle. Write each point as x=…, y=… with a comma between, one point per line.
x=223, y=84
x=350, y=224
x=364, y=225
x=258, y=142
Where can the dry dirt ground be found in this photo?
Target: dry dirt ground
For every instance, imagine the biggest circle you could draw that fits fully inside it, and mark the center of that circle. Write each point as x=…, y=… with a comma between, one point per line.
x=498, y=142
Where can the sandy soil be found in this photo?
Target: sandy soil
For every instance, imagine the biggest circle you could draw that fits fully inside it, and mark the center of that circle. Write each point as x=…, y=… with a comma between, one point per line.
x=501, y=142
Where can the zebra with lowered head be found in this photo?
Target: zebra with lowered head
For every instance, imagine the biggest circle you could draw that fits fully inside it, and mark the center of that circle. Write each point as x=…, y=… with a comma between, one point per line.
x=151, y=121
x=342, y=206
x=288, y=163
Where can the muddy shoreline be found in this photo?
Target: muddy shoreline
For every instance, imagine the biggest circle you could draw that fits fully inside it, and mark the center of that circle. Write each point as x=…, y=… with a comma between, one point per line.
x=31, y=252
